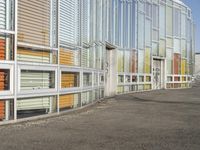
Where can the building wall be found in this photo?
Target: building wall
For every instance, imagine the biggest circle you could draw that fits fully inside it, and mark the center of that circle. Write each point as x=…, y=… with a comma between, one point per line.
x=59, y=56
x=197, y=63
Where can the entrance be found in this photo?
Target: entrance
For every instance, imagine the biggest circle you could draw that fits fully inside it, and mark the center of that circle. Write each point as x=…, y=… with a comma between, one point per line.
x=111, y=71
x=158, y=74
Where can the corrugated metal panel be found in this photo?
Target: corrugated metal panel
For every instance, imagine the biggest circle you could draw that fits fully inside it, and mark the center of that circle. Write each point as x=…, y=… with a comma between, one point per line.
x=2, y=49
x=34, y=22
x=33, y=56
x=2, y=14
x=68, y=21
x=69, y=57
x=33, y=103
x=66, y=101
x=2, y=110
x=31, y=80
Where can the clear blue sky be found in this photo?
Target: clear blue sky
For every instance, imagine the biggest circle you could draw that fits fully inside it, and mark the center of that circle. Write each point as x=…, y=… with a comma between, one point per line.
x=195, y=6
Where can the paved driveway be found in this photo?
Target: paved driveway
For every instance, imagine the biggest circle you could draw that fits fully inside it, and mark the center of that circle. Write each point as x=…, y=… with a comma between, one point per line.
x=158, y=120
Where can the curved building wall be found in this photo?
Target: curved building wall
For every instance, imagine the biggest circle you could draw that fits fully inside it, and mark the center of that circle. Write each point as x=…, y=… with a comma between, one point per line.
x=60, y=56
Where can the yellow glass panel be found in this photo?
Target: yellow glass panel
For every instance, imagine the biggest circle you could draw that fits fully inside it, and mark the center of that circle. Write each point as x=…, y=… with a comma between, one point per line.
x=120, y=61
x=183, y=66
x=147, y=61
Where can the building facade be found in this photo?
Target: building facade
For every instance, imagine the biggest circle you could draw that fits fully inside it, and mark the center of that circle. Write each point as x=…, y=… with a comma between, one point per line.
x=197, y=64
x=57, y=55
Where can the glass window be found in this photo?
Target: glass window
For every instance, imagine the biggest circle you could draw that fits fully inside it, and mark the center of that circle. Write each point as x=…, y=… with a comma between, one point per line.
x=183, y=48
x=4, y=79
x=87, y=79
x=127, y=78
x=120, y=79
x=148, y=78
x=127, y=61
x=183, y=66
x=141, y=31
x=177, y=22
x=120, y=60
x=35, y=80
x=169, y=25
x=6, y=47
x=140, y=61
x=188, y=30
x=147, y=60
x=141, y=78
x=169, y=42
x=70, y=79
x=155, y=49
x=177, y=63
x=95, y=79
x=177, y=46
x=99, y=56
x=162, y=48
x=183, y=25
x=148, y=32
x=162, y=21
x=134, y=78
x=141, y=6
x=101, y=76
x=148, y=10
x=169, y=60
x=169, y=79
x=155, y=35
x=155, y=16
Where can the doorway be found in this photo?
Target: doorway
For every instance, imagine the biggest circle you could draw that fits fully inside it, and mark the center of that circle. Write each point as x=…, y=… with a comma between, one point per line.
x=111, y=71
x=158, y=74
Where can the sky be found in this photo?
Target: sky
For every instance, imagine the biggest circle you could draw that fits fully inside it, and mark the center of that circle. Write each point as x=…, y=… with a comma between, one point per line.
x=195, y=6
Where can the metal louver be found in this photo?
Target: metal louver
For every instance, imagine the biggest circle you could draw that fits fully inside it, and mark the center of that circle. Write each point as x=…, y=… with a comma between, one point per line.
x=2, y=14
x=33, y=56
x=31, y=80
x=34, y=22
x=33, y=103
x=2, y=110
x=68, y=22
x=69, y=57
x=66, y=101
